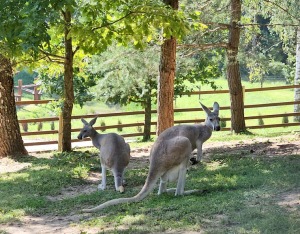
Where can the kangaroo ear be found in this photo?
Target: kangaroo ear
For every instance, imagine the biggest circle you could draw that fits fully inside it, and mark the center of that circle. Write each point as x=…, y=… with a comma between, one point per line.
x=93, y=121
x=207, y=111
x=216, y=108
x=84, y=122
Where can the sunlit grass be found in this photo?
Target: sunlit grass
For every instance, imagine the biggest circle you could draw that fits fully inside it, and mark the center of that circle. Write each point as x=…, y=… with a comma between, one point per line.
x=192, y=101
x=240, y=194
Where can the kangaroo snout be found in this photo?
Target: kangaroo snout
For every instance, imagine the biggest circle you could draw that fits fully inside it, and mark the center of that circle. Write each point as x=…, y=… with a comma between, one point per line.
x=217, y=128
x=79, y=137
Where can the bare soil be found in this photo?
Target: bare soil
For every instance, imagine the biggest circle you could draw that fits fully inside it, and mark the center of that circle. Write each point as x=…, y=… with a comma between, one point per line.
x=273, y=147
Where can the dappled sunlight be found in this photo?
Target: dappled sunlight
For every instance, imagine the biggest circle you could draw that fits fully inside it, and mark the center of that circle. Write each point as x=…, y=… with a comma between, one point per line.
x=45, y=224
x=290, y=201
x=215, y=165
x=9, y=165
x=224, y=181
x=24, y=176
x=233, y=181
x=13, y=215
x=134, y=219
x=39, y=168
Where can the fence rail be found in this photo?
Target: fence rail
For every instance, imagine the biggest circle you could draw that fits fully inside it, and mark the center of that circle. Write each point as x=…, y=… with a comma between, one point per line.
x=177, y=121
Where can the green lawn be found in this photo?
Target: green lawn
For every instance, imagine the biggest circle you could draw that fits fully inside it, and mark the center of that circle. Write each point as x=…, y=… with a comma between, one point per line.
x=39, y=111
x=241, y=193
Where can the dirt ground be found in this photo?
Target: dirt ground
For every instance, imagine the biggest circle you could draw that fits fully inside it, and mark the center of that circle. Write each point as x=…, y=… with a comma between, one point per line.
x=272, y=147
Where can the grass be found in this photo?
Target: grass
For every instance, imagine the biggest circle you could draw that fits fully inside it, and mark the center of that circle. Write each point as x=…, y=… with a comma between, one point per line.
x=241, y=194
x=39, y=111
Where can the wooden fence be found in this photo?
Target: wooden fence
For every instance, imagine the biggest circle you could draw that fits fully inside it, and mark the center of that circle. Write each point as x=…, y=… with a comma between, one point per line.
x=177, y=121
x=32, y=89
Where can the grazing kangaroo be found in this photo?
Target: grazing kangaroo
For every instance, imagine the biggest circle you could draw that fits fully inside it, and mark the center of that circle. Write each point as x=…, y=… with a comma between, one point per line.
x=114, y=153
x=170, y=155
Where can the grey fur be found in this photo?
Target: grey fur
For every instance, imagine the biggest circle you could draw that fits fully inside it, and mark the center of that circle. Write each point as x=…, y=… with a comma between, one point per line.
x=170, y=155
x=114, y=153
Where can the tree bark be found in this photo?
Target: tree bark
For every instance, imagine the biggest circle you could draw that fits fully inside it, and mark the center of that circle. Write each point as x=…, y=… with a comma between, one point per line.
x=147, y=125
x=165, y=94
x=297, y=77
x=11, y=143
x=68, y=87
x=233, y=70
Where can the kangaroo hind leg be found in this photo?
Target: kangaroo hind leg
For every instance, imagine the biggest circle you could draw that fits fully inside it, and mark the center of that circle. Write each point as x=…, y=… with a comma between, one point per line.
x=118, y=178
x=169, y=176
x=181, y=178
x=176, y=173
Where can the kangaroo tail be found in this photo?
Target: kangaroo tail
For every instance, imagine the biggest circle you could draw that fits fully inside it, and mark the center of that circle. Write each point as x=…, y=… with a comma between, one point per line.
x=147, y=188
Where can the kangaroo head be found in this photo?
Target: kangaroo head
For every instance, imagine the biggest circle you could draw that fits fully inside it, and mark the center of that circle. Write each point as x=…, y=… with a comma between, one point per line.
x=87, y=129
x=212, y=117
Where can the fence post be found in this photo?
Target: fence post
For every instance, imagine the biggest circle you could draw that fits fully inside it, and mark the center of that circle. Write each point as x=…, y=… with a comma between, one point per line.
x=18, y=97
x=36, y=95
x=60, y=132
x=20, y=83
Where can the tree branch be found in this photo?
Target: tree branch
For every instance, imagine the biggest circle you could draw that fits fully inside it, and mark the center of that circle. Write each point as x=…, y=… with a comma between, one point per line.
x=112, y=22
x=203, y=46
x=220, y=25
x=76, y=49
x=269, y=25
x=283, y=9
x=120, y=19
x=25, y=61
x=51, y=55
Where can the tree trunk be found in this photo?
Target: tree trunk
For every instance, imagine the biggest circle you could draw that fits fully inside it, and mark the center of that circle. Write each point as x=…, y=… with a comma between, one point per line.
x=233, y=70
x=297, y=77
x=11, y=143
x=165, y=95
x=68, y=87
x=147, y=125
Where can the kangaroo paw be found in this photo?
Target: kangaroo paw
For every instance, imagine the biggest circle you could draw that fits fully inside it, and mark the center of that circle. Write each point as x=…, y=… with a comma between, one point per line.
x=193, y=161
x=121, y=189
x=101, y=187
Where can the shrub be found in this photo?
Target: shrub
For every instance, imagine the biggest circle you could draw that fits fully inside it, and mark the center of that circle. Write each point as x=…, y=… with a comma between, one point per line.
x=261, y=121
x=40, y=126
x=120, y=129
x=102, y=124
x=52, y=125
x=285, y=119
x=25, y=127
x=139, y=129
x=222, y=123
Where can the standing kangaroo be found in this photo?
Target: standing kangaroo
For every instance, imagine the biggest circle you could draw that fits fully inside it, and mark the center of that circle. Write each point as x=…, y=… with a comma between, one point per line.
x=170, y=155
x=114, y=153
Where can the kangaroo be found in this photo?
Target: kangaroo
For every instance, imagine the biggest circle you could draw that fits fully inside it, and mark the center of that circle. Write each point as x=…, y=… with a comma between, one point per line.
x=114, y=153
x=170, y=155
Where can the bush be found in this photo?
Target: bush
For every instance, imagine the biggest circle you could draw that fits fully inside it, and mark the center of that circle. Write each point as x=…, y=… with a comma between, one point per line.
x=102, y=124
x=139, y=129
x=120, y=129
x=52, y=125
x=40, y=126
x=261, y=121
x=222, y=123
x=25, y=127
x=285, y=119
